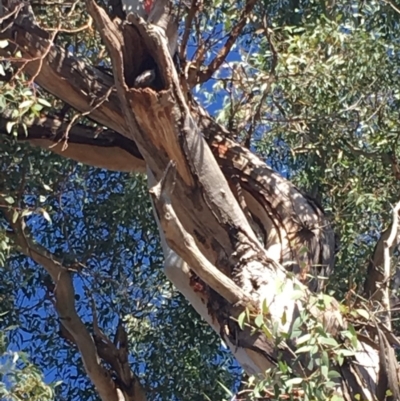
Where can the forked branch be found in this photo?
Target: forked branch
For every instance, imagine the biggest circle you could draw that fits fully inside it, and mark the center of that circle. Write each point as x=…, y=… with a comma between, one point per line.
x=65, y=306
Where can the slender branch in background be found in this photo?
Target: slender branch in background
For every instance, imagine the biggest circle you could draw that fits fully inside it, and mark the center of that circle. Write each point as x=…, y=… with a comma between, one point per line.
x=195, y=6
x=257, y=115
x=377, y=282
x=388, y=2
x=65, y=306
x=234, y=34
x=389, y=244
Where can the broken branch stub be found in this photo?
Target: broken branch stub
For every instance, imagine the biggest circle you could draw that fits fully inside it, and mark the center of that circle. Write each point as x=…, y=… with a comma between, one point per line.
x=164, y=130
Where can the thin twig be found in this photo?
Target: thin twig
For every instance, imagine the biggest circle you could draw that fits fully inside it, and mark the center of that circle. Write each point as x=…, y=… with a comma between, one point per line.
x=79, y=115
x=234, y=34
x=195, y=6
x=257, y=115
x=388, y=2
x=388, y=244
x=88, y=24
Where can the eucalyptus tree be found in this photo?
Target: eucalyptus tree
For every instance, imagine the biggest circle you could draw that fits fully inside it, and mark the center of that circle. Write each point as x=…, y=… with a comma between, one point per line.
x=309, y=87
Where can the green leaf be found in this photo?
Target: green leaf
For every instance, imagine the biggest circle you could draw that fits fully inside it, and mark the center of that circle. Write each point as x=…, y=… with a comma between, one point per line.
x=26, y=212
x=264, y=307
x=267, y=332
x=15, y=216
x=363, y=313
x=9, y=126
x=327, y=341
x=345, y=353
x=259, y=321
x=306, y=348
x=37, y=107
x=297, y=294
x=337, y=398
x=227, y=391
x=45, y=215
x=43, y=102
x=241, y=319
x=25, y=104
x=333, y=374
x=282, y=367
x=9, y=199
x=303, y=339
x=294, y=381
x=284, y=318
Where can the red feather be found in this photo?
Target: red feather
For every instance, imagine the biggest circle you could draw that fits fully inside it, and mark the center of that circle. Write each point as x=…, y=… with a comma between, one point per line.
x=148, y=5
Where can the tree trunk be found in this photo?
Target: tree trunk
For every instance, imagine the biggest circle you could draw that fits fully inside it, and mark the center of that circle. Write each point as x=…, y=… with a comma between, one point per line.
x=238, y=238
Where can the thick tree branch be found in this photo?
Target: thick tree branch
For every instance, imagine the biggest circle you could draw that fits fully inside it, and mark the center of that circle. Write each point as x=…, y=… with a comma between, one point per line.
x=164, y=130
x=180, y=274
x=94, y=146
x=159, y=122
x=84, y=88
x=185, y=245
x=65, y=307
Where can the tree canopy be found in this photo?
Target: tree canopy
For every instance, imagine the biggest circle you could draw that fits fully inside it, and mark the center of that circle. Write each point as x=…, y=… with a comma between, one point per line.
x=311, y=87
